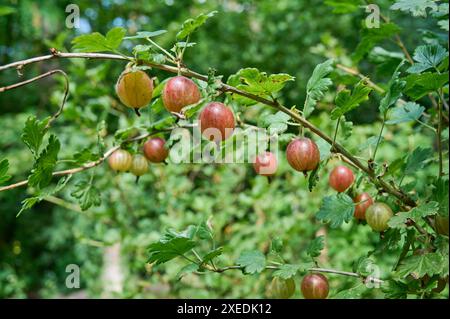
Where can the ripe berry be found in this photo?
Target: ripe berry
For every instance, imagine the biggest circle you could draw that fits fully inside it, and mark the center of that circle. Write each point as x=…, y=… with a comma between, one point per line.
x=266, y=164
x=135, y=89
x=139, y=165
x=155, y=150
x=120, y=160
x=303, y=154
x=378, y=215
x=441, y=225
x=216, y=122
x=364, y=201
x=179, y=92
x=315, y=286
x=341, y=178
x=282, y=288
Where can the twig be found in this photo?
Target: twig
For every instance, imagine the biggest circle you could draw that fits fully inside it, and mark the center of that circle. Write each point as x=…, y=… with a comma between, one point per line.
x=230, y=89
x=313, y=269
x=361, y=76
x=88, y=165
x=39, y=77
x=439, y=135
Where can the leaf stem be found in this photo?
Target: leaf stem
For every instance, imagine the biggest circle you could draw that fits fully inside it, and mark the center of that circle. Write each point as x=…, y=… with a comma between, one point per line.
x=335, y=132
x=379, y=137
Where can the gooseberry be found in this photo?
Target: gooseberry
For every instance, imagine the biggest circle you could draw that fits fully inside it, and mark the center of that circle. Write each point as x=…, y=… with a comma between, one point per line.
x=179, y=92
x=341, y=178
x=363, y=200
x=135, y=89
x=216, y=122
x=155, y=150
x=120, y=160
x=303, y=154
x=265, y=164
x=378, y=215
x=315, y=286
x=282, y=288
x=139, y=165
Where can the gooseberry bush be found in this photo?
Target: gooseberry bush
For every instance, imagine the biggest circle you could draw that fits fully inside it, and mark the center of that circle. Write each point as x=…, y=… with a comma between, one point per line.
x=401, y=196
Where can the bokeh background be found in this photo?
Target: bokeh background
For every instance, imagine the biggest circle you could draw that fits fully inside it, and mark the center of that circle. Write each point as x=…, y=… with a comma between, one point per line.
x=246, y=211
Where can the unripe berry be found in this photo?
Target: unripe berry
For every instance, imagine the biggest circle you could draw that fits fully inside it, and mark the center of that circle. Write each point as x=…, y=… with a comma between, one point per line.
x=135, y=89
x=341, y=178
x=378, y=215
x=315, y=286
x=364, y=201
x=120, y=160
x=179, y=92
x=139, y=165
x=216, y=122
x=155, y=150
x=266, y=164
x=282, y=288
x=303, y=154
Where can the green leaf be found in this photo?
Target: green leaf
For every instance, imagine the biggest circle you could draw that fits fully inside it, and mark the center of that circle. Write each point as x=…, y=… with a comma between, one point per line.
x=146, y=34
x=29, y=202
x=203, y=231
x=87, y=194
x=190, y=25
x=372, y=36
x=418, y=85
x=316, y=246
x=276, y=244
x=370, y=143
x=324, y=149
x=364, y=266
x=317, y=85
x=259, y=83
x=394, y=91
x=441, y=195
x=162, y=124
x=287, y=271
x=276, y=123
x=347, y=101
x=33, y=134
x=96, y=42
x=313, y=178
x=427, y=57
x=115, y=36
x=212, y=254
x=252, y=261
x=336, y=209
x=85, y=156
x=399, y=220
x=407, y=112
x=418, y=8
x=416, y=160
x=5, y=10
x=343, y=6
x=351, y=293
x=41, y=174
x=395, y=289
x=346, y=128
x=421, y=265
x=188, y=269
x=168, y=249
x=4, y=166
